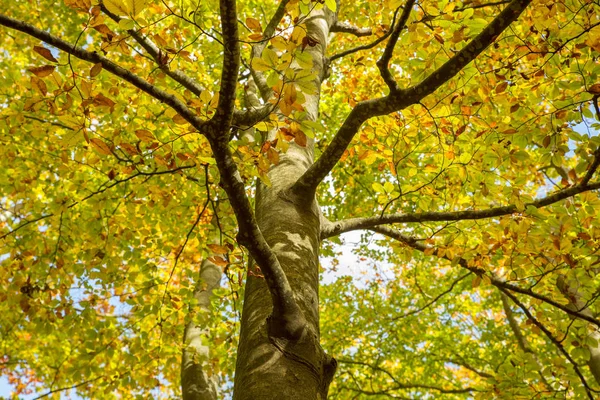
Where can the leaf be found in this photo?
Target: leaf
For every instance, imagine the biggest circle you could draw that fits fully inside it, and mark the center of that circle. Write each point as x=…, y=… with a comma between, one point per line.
x=101, y=100
x=144, y=135
x=217, y=249
x=116, y=7
x=100, y=146
x=123, y=8
x=253, y=24
x=44, y=52
x=219, y=261
x=126, y=24
x=300, y=139
x=42, y=71
x=95, y=70
x=501, y=87
x=331, y=4
x=594, y=89
x=273, y=156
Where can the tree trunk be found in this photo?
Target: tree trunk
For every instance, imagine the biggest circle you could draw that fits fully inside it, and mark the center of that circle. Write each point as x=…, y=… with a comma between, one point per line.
x=270, y=367
x=196, y=383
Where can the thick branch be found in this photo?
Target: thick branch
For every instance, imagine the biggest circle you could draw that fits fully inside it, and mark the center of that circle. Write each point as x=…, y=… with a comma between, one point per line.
x=153, y=51
x=344, y=27
x=336, y=228
x=384, y=61
x=231, y=65
x=287, y=320
x=108, y=65
x=401, y=99
x=468, y=53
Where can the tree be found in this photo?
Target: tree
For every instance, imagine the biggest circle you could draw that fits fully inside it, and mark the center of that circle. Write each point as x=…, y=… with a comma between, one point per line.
x=168, y=164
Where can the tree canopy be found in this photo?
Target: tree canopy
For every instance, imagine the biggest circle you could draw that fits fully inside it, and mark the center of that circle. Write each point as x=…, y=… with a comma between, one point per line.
x=155, y=153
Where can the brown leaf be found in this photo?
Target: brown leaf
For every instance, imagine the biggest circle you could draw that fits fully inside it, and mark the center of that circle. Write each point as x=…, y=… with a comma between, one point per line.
x=514, y=107
x=101, y=100
x=129, y=148
x=501, y=87
x=594, y=89
x=300, y=139
x=42, y=71
x=546, y=141
x=220, y=261
x=217, y=249
x=100, y=146
x=95, y=70
x=44, y=52
x=144, y=135
x=179, y=120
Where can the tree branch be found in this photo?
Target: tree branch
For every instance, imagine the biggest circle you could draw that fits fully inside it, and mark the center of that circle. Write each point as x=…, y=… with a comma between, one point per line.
x=287, y=319
x=554, y=341
x=231, y=65
x=401, y=99
x=257, y=49
x=344, y=27
x=366, y=46
x=108, y=65
x=154, y=52
x=523, y=345
x=384, y=61
x=411, y=242
x=400, y=385
x=336, y=228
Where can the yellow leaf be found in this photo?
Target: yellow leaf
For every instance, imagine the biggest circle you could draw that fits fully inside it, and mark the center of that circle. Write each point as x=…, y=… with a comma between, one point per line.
x=135, y=6
x=116, y=7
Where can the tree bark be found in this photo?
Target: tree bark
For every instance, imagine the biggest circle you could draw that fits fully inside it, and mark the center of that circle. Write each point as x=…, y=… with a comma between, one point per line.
x=271, y=366
x=196, y=382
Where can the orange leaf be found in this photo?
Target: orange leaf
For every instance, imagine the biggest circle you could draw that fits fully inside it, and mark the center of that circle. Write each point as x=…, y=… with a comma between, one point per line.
x=253, y=24
x=44, y=52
